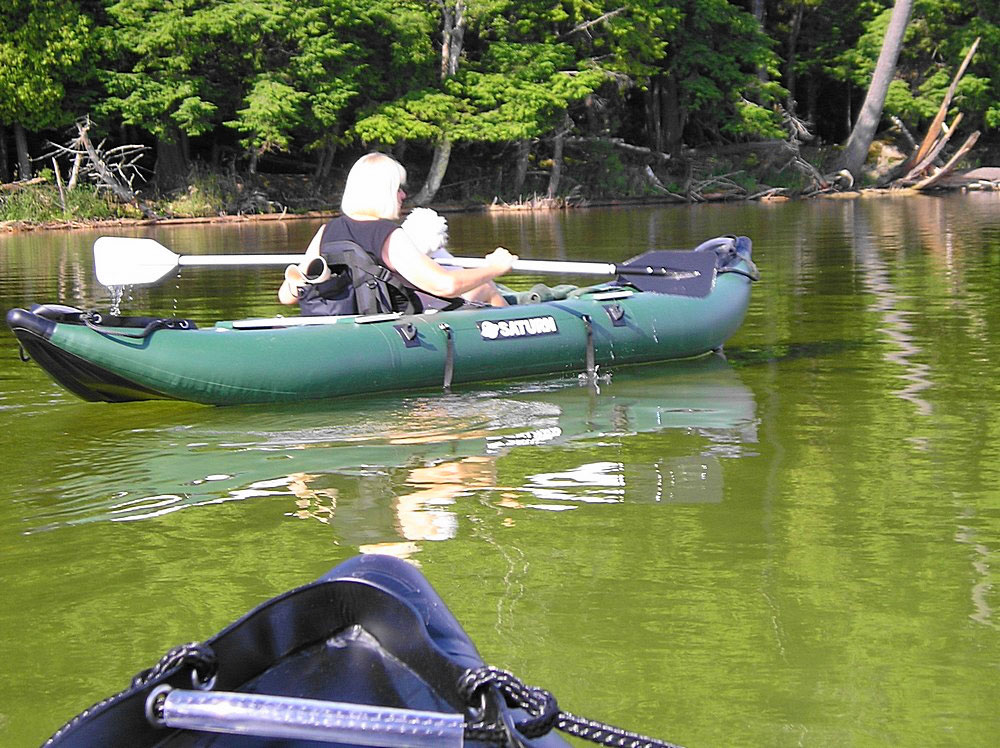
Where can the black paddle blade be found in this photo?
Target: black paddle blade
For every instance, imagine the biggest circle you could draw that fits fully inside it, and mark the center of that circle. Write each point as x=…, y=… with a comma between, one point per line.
x=671, y=272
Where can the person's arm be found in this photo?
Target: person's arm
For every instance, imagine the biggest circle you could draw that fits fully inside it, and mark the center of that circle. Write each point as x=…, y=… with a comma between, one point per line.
x=488, y=293
x=288, y=292
x=401, y=255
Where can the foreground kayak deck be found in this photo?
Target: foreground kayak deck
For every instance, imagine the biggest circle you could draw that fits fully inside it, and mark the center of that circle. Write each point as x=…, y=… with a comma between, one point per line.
x=115, y=360
x=370, y=639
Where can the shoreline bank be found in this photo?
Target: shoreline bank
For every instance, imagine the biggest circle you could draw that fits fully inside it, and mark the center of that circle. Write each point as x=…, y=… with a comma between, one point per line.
x=965, y=185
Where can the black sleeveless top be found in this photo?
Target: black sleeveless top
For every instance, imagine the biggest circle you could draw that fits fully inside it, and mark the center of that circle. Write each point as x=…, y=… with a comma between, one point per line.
x=361, y=283
x=369, y=235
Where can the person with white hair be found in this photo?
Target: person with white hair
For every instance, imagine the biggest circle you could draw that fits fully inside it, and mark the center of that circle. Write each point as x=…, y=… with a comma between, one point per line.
x=369, y=263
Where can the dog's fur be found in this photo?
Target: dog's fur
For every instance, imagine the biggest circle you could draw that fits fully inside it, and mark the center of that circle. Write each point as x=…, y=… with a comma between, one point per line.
x=427, y=230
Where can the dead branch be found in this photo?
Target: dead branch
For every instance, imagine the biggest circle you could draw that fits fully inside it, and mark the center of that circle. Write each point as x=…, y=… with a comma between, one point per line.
x=798, y=129
x=770, y=192
x=657, y=185
x=922, y=160
x=646, y=153
x=15, y=186
x=593, y=22
x=948, y=167
x=927, y=160
x=113, y=169
x=935, y=128
x=721, y=187
x=906, y=133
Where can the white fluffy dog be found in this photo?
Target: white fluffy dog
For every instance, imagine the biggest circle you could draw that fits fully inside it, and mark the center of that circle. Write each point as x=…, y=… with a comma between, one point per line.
x=428, y=230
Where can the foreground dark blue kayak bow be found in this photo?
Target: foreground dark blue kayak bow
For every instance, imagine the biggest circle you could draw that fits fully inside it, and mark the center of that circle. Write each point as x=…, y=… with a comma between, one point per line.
x=366, y=655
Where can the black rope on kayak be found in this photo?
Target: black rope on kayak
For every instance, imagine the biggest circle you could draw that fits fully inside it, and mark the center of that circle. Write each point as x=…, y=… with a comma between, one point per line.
x=545, y=713
x=94, y=321
x=21, y=353
x=199, y=657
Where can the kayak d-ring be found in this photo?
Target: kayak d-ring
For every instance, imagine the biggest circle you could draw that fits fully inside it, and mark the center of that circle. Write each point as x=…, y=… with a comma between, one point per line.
x=449, y=356
x=408, y=332
x=616, y=313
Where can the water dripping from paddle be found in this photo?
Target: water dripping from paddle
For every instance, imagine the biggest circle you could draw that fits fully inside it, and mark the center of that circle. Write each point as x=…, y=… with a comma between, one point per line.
x=116, y=293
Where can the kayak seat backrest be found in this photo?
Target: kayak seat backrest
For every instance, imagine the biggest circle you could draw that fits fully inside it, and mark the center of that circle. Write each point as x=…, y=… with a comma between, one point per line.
x=357, y=285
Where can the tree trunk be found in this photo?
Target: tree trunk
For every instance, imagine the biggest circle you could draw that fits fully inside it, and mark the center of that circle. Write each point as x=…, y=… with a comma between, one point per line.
x=74, y=174
x=452, y=36
x=439, y=165
x=673, y=117
x=848, y=110
x=452, y=40
x=759, y=10
x=325, y=162
x=860, y=140
x=557, y=158
x=793, y=43
x=521, y=167
x=654, y=117
x=171, y=168
x=23, y=159
x=4, y=158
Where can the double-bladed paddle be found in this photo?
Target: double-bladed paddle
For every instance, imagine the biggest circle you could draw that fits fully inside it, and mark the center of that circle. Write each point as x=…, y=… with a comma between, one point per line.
x=128, y=261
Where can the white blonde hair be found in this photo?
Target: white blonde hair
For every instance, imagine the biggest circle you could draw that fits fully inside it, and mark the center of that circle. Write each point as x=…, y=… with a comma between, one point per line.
x=372, y=187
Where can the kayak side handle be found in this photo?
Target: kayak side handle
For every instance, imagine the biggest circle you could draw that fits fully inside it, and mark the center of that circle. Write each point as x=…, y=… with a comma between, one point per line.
x=292, y=718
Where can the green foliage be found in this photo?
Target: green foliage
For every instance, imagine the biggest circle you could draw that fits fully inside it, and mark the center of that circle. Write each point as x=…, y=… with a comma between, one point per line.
x=421, y=115
x=899, y=101
x=514, y=91
x=273, y=110
x=715, y=54
x=937, y=39
x=296, y=75
x=602, y=170
x=754, y=121
x=184, y=65
x=42, y=202
x=45, y=48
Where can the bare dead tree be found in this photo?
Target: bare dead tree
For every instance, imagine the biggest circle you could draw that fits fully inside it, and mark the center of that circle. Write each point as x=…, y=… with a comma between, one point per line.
x=923, y=169
x=114, y=169
x=863, y=132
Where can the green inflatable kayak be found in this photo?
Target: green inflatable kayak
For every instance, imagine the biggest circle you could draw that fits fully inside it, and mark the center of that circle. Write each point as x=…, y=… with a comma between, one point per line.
x=117, y=359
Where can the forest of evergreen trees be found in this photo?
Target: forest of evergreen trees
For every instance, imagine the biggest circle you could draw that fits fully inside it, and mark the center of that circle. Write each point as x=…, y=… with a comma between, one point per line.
x=477, y=97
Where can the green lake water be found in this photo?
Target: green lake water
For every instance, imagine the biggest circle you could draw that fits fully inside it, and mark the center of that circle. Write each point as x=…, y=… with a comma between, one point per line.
x=795, y=544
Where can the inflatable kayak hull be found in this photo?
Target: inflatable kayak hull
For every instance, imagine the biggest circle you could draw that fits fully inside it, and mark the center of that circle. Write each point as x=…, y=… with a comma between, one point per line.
x=293, y=359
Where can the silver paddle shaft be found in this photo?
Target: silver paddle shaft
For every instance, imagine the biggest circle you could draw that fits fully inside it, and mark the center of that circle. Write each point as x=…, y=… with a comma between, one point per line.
x=539, y=266
x=239, y=259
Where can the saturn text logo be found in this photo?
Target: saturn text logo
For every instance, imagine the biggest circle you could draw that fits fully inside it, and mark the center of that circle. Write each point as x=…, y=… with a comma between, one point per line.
x=517, y=328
